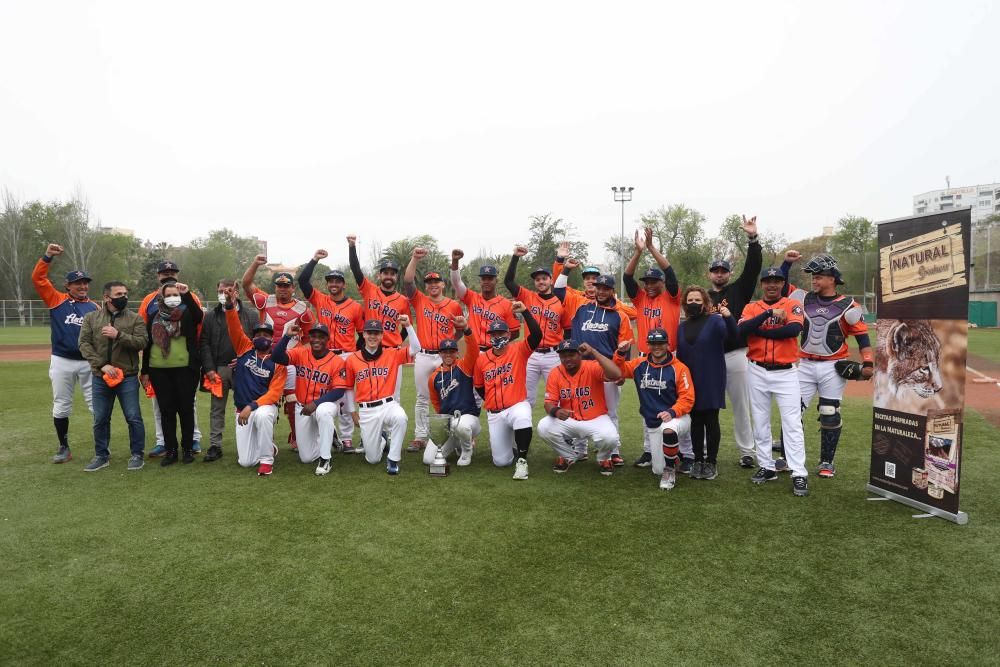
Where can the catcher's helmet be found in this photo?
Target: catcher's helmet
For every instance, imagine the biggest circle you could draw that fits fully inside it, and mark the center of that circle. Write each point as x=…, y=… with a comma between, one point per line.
x=824, y=265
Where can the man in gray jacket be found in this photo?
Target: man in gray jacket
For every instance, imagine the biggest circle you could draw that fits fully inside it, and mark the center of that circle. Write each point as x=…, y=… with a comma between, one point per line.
x=110, y=340
x=216, y=356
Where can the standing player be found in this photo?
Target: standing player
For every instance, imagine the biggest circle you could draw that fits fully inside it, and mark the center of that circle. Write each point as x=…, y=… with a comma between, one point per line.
x=576, y=406
x=258, y=383
x=735, y=296
x=771, y=326
x=547, y=309
x=499, y=379
x=485, y=306
x=451, y=392
x=830, y=318
x=319, y=384
x=433, y=314
x=166, y=271
x=345, y=319
x=374, y=372
x=589, y=274
x=666, y=396
x=281, y=309
x=67, y=366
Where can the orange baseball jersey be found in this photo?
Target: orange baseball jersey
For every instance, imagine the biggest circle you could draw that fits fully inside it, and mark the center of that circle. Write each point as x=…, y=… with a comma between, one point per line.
x=314, y=377
x=773, y=350
x=663, y=311
x=375, y=379
x=345, y=319
x=582, y=394
x=548, y=311
x=503, y=376
x=281, y=315
x=386, y=308
x=483, y=312
x=434, y=320
x=628, y=309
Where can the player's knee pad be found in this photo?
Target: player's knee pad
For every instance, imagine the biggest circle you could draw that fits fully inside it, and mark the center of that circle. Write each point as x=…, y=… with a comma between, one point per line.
x=829, y=413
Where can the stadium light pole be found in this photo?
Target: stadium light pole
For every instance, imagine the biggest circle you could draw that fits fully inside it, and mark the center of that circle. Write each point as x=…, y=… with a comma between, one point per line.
x=622, y=194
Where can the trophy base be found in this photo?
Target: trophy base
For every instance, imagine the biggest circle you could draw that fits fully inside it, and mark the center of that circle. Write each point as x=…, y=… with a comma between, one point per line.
x=438, y=470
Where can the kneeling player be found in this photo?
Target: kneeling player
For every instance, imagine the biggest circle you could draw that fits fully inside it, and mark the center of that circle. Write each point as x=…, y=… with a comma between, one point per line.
x=258, y=383
x=319, y=386
x=451, y=393
x=575, y=401
x=666, y=396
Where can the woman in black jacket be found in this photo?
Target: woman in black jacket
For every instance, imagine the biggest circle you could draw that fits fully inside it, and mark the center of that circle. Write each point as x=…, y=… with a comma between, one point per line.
x=171, y=362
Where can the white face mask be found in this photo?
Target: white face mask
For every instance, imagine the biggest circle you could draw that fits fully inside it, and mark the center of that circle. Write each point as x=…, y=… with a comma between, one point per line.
x=222, y=298
x=172, y=301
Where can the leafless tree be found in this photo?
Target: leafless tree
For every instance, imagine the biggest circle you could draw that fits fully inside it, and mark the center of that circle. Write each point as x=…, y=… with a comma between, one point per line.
x=12, y=229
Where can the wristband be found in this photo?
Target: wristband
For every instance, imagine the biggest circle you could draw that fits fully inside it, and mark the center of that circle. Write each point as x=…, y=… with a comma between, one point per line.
x=752, y=238
x=467, y=332
x=867, y=364
x=553, y=412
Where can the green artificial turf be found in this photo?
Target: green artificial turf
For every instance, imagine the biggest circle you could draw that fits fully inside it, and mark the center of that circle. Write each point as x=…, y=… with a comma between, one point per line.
x=15, y=335
x=207, y=563
x=985, y=343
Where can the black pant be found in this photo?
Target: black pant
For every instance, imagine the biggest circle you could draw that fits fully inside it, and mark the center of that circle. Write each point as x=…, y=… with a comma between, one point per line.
x=175, y=389
x=705, y=425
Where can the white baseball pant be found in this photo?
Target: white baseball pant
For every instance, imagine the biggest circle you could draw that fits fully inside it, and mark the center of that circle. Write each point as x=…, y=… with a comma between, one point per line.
x=739, y=400
x=423, y=365
x=345, y=423
x=460, y=434
x=561, y=434
x=255, y=439
x=502, y=426
x=159, y=426
x=388, y=416
x=540, y=364
x=820, y=378
x=65, y=374
x=653, y=440
x=783, y=386
x=314, y=433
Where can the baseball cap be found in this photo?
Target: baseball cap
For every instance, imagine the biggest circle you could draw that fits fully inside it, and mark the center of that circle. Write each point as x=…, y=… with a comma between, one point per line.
x=591, y=269
x=77, y=276
x=330, y=275
x=568, y=345
x=541, y=269
x=388, y=264
x=653, y=274
x=605, y=281
x=320, y=328
x=772, y=272
x=432, y=275
x=498, y=326
x=488, y=271
x=167, y=265
x=373, y=325
x=263, y=326
x=448, y=344
x=657, y=336
x=720, y=264
x=282, y=278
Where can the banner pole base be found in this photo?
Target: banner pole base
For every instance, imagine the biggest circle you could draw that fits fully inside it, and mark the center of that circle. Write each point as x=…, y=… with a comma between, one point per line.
x=961, y=518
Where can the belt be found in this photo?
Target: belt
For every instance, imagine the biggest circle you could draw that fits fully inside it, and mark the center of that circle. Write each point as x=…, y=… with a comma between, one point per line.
x=337, y=351
x=544, y=350
x=494, y=412
x=773, y=367
x=375, y=404
x=429, y=351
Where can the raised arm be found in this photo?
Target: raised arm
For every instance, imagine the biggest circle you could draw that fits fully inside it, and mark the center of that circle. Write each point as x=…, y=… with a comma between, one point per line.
x=352, y=257
x=631, y=286
x=747, y=282
x=236, y=336
x=534, y=330
x=411, y=334
x=510, y=278
x=247, y=280
x=456, y=275
x=410, y=274
x=610, y=368
x=40, y=277
x=305, y=276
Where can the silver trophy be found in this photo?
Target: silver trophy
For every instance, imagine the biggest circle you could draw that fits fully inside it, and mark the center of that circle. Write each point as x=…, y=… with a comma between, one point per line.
x=440, y=432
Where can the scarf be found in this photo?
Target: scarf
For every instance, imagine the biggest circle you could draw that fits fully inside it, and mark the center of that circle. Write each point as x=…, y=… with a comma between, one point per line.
x=167, y=324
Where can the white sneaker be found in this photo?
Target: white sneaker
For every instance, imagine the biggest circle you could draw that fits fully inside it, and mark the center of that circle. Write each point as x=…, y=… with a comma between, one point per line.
x=669, y=479
x=465, y=458
x=323, y=467
x=521, y=469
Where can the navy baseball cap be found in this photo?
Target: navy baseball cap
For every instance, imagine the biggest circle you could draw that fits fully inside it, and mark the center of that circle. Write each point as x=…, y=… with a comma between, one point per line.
x=448, y=344
x=720, y=264
x=373, y=325
x=541, y=269
x=335, y=274
x=167, y=265
x=388, y=265
x=320, y=328
x=282, y=278
x=591, y=269
x=653, y=274
x=772, y=273
x=264, y=326
x=433, y=275
x=498, y=326
x=605, y=281
x=568, y=345
x=657, y=336
x=77, y=276
x=488, y=271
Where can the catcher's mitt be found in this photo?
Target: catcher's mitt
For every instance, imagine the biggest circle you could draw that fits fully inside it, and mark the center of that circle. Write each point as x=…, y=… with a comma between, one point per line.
x=848, y=369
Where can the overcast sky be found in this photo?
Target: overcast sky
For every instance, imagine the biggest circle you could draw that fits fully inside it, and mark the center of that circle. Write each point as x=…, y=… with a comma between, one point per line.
x=303, y=122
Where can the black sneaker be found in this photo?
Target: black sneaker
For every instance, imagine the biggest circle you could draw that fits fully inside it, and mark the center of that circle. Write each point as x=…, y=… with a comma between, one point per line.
x=188, y=457
x=800, y=486
x=746, y=461
x=708, y=471
x=644, y=461
x=685, y=468
x=763, y=475
x=214, y=453
x=168, y=459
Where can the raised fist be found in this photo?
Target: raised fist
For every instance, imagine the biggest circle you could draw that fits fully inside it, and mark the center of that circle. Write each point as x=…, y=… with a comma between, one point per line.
x=320, y=254
x=623, y=347
x=520, y=251
x=419, y=253
x=793, y=256
x=460, y=322
x=352, y=239
x=260, y=260
x=456, y=255
x=230, y=293
x=293, y=330
x=585, y=349
x=53, y=249
x=778, y=314
x=518, y=306
x=182, y=288
x=572, y=263
x=724, y=311
x=404, y=321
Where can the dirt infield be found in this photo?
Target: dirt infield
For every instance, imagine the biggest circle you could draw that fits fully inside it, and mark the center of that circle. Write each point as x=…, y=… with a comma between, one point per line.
x=36, y=352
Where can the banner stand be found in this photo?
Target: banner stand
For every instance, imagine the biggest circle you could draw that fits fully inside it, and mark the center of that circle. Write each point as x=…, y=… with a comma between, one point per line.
x=961, y=518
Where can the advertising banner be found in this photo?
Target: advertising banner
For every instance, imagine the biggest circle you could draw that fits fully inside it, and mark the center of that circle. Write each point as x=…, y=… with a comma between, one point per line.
x=922, y=298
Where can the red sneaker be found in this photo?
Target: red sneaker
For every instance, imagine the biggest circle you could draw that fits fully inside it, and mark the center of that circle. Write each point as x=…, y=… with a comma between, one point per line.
x=617, y=460
x=265, y=469
x=607, y=468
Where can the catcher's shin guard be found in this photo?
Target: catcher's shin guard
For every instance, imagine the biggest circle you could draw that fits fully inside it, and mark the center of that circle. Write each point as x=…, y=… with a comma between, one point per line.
x=830, y=425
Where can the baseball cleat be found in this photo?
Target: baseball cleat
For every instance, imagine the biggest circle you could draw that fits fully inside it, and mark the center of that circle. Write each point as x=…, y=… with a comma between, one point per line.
x=136, y=462
x=617, y=461
x=562, y=464
x=644, y=461
x=800, y=486
x=96, y=464
x=63, y=455
x=465, y=458
x=347, y=447
x=324, y=467
x=157, y=451
x=265, y=469
x=708, y=471
x=686, y=465
x=669, y=479
x=521, y=469
x=746, y=461
x=607, y=468
x=826, y=470
x=781, y=465
x=763, y=475
x=392, y=467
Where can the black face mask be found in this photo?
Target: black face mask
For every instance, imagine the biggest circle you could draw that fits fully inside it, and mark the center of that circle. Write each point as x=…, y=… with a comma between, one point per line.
x=120, y=302
x=261, y=343
x=693, y=309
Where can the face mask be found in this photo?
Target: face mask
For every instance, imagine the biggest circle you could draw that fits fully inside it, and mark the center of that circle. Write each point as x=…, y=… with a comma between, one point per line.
x=692, y=309
x=261, y=344
x=120, y=302
x=500, y=343
x=171, y=301
x=222, y=298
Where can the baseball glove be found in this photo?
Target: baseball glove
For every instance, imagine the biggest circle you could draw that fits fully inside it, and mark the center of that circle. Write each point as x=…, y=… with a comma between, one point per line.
x=848, y=369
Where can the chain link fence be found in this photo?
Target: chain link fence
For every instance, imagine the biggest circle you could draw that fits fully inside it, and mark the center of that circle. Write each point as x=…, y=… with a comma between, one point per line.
x=34, y=312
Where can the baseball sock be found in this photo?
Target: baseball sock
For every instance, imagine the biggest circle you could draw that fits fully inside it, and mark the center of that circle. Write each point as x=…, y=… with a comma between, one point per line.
x=670, y=449
x=522, y=438
x=62, y=428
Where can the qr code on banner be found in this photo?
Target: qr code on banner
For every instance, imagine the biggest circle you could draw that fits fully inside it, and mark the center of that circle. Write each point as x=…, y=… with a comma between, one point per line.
x=890, y=470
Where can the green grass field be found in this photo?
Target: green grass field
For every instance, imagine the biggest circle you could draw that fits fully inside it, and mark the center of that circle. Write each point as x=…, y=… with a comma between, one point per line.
x=24, y=335
x=209, y=564
x=985, y=343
